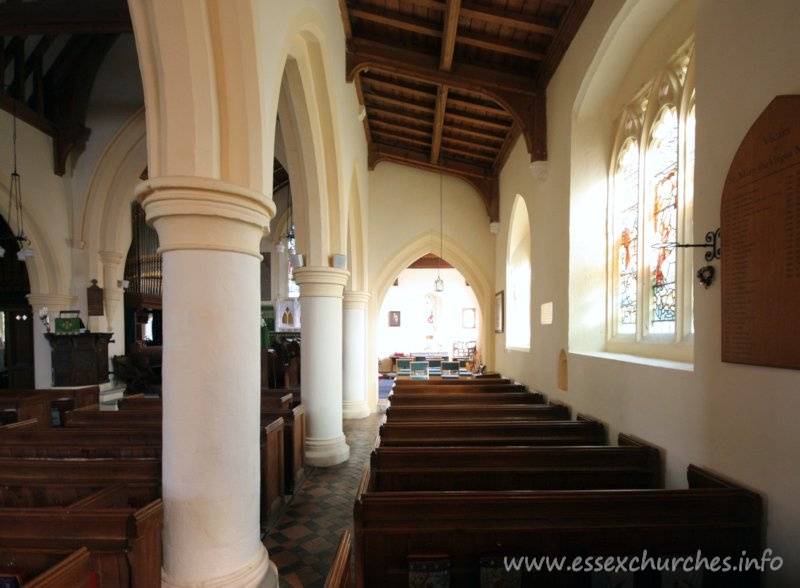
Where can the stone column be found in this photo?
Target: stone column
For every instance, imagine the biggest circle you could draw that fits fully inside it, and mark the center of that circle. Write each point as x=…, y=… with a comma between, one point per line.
x=321, y=291
x=354, y=405
x=42, y=355
x=209, y=233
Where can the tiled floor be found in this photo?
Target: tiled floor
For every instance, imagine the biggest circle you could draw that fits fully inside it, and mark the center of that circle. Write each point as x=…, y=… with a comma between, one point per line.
x=303, y=540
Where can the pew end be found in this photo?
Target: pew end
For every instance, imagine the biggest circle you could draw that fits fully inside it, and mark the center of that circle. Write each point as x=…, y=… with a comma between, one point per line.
x=339, y=575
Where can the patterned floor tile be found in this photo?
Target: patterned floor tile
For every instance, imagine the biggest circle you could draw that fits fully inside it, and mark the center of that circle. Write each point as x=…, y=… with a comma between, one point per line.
x=303, y=539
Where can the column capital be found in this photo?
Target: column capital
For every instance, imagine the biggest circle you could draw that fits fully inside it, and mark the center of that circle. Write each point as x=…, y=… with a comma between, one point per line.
x=38, y=300
x=321, y=281
x=111, y=257
x=205, y=214
x=357, y=300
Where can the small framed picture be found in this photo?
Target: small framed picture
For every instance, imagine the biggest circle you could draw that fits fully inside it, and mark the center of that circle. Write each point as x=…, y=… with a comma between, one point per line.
x=468, y=318
x=499, y=312
x=394, y=318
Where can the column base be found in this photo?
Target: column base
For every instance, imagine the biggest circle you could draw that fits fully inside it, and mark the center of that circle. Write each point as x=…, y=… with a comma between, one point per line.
x=326, y=452
x=261, y=573
x=354, y=409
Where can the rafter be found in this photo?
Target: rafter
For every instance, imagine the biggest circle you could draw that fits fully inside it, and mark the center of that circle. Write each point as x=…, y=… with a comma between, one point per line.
x=363, y=54
x=491, y=45
x=450, y=33
x=382, y=112
x=475, y=120
x=381, y=99
x=576, y=12
x=438, y=123
x=398, y=21
x=503, y=18
x=400, y=129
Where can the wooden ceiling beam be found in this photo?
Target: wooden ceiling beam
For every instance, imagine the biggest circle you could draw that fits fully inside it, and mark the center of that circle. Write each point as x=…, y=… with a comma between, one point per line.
x=450, y=140
x=508, y=49
x=348, y=31
x=380, y=98
x=524, y=101
x=509, y=19
x=394, y=137
x=382, y=112
x=449, y=36
x=468, y=154
x=396, y=20
x=387, y=86
x=421, y=160
x=451, y=131
x=482, y=122
x=382, y=124
x=363, y=54
x=438, y=123
x=65, y=17
x=576, y=12
x=473, y=106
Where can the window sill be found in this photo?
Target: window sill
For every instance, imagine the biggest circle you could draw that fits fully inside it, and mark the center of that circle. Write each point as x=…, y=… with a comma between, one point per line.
x=684, y=366
x=516, y=348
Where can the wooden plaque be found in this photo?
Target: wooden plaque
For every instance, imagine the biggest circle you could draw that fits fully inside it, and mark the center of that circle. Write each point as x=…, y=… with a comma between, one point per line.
x=760, y=228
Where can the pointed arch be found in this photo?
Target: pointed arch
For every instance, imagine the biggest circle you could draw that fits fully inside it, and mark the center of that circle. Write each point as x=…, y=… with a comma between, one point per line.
x=310, y=131
x=105, y=217
x=456, y=256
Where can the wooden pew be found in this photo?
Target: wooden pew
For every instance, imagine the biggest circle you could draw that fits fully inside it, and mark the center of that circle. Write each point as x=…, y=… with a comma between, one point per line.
x=36, y=482
x=339, y=575
x=149, y=418
x=456, y=412
x=713, y=516
x=80, y=442
x=280, y=392
x=92, y=416
x=467, y=398
x=273, y=470
x=633, y=464
x=279, y=402
x=124, y=543
x=487, y=432
x=38, y=403
x=45, y=568
x=447, y=389
x=294, y=442
x=405, y=381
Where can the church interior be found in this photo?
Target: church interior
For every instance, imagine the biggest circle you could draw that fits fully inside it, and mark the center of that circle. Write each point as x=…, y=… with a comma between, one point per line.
x=253, y=251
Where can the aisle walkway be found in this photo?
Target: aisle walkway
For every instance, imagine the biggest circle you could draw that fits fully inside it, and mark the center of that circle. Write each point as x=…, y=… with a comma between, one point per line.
x=303, y=540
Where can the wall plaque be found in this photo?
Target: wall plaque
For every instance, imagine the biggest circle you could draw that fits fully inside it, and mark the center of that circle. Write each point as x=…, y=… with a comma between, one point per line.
x=760, y=226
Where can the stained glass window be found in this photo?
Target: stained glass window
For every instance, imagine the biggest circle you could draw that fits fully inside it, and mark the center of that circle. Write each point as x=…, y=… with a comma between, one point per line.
x=650, y=211
x=662, y=168
x=626, y=228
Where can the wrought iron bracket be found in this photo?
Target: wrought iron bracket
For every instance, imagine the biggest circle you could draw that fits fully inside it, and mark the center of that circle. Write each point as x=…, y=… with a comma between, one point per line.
x=713, y=241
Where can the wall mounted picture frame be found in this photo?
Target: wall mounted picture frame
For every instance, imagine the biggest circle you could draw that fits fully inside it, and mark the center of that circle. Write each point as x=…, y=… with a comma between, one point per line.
x=499, y=312
x=287, y=315
x=394, y=318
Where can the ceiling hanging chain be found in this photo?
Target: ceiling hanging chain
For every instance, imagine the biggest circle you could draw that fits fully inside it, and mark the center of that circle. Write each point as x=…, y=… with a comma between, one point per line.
x=438, y=284
x=15, y=195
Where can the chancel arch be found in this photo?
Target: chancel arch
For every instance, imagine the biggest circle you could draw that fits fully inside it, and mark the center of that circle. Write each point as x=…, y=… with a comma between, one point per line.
x=455, y=255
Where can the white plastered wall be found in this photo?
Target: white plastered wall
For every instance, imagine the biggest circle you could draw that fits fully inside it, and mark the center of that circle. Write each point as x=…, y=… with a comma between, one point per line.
x=736, y=420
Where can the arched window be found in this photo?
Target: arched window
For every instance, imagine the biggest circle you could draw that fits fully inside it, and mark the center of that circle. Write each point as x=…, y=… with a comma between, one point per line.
x=650, y=211
x=518, y=278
